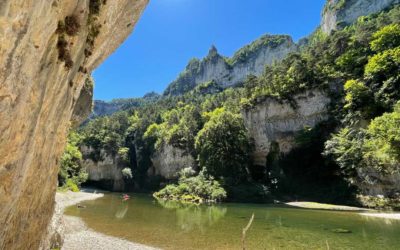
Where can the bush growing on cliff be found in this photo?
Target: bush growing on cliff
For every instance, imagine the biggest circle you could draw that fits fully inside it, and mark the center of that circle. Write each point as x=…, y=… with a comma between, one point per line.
x=127, y=173
x=194, y=189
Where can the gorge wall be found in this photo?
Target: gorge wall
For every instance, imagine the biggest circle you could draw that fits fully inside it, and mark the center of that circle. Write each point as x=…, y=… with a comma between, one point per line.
x=169, y=160
x=268, y=122
x=271, y=121
x=47, y=51
x=106, y=172
x=249, y=60
x=338, y=13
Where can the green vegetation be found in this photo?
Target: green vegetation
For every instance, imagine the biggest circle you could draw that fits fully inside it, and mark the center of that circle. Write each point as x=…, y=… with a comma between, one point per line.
x=375, y=147
x=198, y=189
x=357, y=66
x=71, y=174
x=70, y=26
x=93, y=25
x=386, y=38
x=223, y=145
x=335, y=6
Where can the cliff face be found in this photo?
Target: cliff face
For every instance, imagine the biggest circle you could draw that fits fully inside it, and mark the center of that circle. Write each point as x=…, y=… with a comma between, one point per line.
x=106, y=172
x=344, y=12
x=250, y=60
x=372, y=183
x=168, y=161
x=273, y=122
x=48, y=49
x=102, y=108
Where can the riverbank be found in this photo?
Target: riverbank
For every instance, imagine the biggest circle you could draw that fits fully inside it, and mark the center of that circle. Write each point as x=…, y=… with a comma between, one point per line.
x=391, y=216
x=363, y=211
x=77, y=236
x=322, y=206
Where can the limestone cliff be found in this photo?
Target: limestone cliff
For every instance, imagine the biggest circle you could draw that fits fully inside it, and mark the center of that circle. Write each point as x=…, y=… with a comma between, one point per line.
x=47, y=51
x=344, y=12
x=372, y=183
x=168, y=161
x=250, y=60
x=106, y=172
x=102, y=108
x=271, y=121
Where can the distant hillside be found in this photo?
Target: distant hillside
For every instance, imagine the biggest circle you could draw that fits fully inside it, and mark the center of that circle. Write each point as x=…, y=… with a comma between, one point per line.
x=102, y=108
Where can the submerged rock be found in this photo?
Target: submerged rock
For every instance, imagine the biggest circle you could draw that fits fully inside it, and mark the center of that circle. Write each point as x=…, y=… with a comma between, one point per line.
x=341, y=231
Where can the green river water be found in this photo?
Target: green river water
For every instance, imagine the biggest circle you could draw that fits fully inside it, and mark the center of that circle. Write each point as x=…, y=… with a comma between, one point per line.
x=171, y=225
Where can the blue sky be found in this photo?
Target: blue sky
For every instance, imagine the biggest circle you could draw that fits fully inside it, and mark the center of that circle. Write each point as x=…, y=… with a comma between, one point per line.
x=171, y=32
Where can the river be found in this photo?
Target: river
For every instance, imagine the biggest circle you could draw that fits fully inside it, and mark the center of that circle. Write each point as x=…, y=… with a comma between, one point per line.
x=171, y=225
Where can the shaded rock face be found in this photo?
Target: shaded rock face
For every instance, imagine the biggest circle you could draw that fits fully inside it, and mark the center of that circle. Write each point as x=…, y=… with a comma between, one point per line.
x=168, y=161
x=372, y=183
x=41, y=81
x=345, y=12
x=84, y=103
x=272, y=122
x=250, y=60
x=106, y=172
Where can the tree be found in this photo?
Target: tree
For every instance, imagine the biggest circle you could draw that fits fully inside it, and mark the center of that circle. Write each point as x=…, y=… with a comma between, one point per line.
x=387, y=37
x=382, y=73
x=346, y=149
x=224, y=146
x=359, y=98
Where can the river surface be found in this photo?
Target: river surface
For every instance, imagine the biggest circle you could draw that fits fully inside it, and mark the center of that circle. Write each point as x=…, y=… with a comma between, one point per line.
x=170, y=225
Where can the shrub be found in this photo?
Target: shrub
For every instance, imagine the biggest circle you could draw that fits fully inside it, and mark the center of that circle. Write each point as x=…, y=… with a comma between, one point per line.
x=358, y=95
x=387, y=37
x=383, y=64
x=197, y=189
x=72, y=25
x=95, y=5
x=70, y=185
x=127, y=173
x=64, y=54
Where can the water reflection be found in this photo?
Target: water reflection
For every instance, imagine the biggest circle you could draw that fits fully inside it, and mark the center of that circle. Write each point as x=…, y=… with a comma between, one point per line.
x=122, y=210
x=191, y=217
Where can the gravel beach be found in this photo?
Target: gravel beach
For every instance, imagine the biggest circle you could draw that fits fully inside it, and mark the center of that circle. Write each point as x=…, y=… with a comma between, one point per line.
x=364, y=211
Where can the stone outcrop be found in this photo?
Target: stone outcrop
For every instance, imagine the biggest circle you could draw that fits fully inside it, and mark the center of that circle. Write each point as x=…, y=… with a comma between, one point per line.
x=106, y=172
x=102, y=108
x=344, y=12
x=168, y=161
x=47, y=51
x=271, y=121
x=250, y=60
x=373, y=183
